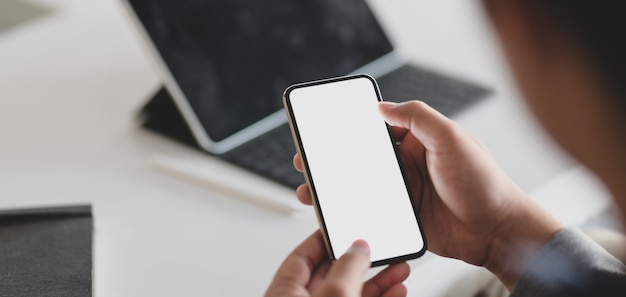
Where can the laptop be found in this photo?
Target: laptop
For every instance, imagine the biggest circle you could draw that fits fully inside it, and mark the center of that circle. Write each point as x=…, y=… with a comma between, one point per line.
x=225, y=65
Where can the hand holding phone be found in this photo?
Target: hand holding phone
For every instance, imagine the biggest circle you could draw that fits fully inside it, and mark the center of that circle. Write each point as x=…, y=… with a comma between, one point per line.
x=353, y=168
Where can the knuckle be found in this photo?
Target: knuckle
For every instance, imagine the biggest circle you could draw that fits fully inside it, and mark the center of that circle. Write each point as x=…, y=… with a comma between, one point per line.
x=451, y=136
x=334, y=289
x=417, y=105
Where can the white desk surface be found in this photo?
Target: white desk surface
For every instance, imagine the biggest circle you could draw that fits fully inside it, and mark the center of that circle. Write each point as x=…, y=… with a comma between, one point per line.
x=70, y=83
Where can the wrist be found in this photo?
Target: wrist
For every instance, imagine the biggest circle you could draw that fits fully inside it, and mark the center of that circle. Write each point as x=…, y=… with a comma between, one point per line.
x=518, y=239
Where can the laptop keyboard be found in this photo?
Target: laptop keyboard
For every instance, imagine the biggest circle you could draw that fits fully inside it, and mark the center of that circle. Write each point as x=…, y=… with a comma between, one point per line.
x=271, y=154
x=443, y=93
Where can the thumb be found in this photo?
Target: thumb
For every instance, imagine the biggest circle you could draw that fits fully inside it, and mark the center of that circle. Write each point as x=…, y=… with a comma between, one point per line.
x=345, y=278
x=428, y=125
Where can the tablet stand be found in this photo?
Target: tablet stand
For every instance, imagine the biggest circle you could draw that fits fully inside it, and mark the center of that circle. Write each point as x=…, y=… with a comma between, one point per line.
x=160, y=114
x=444, y=93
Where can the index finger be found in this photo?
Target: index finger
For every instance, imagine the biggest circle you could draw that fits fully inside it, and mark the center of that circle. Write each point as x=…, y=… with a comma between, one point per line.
x=297, y=267
x=297, y=162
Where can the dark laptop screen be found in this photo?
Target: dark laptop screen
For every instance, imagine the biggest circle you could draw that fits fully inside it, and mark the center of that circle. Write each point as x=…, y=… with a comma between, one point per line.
x=233, y=58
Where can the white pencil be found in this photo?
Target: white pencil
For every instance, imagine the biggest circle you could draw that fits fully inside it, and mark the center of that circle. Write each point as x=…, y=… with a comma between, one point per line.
x=247, y=187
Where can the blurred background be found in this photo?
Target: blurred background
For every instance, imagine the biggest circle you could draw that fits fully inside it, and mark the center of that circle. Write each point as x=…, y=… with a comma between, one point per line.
x=73, y=77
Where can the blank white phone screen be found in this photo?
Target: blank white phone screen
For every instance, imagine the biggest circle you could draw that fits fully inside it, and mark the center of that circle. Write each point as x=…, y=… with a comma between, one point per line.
x=354, y=170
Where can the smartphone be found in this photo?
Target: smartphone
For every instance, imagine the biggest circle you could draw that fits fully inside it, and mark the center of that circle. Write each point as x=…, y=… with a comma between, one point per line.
x=353, y=168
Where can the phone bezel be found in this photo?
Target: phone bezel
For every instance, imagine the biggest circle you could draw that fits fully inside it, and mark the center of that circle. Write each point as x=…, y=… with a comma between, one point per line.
x=299, y=148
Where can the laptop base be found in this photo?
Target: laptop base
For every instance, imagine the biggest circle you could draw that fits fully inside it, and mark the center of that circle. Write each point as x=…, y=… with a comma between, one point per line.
x=270, y=155
x=263, y=156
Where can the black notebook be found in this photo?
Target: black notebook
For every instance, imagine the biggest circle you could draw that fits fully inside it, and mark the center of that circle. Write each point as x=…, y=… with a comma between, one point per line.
x=46, y=252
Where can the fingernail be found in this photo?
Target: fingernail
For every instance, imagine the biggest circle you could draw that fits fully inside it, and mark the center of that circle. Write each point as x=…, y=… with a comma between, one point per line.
x=359, y=246
x=386, y=104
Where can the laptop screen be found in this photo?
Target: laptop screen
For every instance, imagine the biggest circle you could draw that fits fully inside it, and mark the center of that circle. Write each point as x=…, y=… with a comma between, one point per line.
x=233, y=59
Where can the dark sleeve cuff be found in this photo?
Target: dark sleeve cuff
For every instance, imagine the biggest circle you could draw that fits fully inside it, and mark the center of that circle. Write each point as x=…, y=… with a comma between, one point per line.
x=571, y=264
